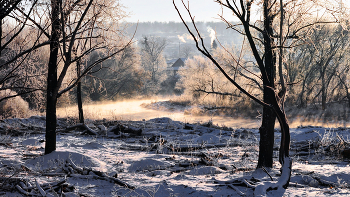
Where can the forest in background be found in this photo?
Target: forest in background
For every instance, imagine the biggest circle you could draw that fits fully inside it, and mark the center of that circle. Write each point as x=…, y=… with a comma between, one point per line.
x=318, y=81
x=139, y=70
x=316, y=73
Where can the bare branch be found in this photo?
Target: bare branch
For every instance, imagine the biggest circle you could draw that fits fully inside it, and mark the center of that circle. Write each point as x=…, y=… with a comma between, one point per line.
x=205, y=52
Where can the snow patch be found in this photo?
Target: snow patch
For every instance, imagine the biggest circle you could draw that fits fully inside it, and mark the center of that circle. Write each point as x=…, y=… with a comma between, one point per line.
x=147, y=164
x=30, y=142
x=204, y=170
x=207, y=139
x=90, y=145
x=57, y=159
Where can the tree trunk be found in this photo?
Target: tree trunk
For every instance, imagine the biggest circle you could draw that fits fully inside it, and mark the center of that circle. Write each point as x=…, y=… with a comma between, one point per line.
x=267, y=133
x=323, y=91
x=285, y=134
x=51, y=92
x=79, y=99
x=51, y=122
x=301, y=95
x=269, y=117
x=80, y=103
x=0, y=38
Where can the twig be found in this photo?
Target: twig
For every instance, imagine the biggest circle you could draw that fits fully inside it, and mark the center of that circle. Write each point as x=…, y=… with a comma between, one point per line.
x=264, y=169
x=44, y=186
x=19, y=188
x=236, y=189
x=42, y=192
x=119, y=182
x=80, y=170
x=248, y=184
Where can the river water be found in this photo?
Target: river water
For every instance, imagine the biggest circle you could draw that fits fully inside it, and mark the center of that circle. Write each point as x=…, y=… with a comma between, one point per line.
x=132, y=110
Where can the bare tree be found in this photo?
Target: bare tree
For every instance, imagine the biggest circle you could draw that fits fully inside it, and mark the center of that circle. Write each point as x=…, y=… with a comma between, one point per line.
x=20, y=42
x=7, y=6
x=264, y=48
x=153, y=62
x=321, y=59
x=267, y=65
x=200, y=78
x=72, y=23
x=118, y=77
x=186, y=51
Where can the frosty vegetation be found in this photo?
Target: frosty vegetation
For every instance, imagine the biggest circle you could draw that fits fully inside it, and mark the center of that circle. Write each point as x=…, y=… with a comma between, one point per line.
x=162, y=157
x=60, y=55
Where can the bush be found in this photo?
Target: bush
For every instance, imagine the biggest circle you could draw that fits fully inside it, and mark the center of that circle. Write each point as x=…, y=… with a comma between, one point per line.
x=13, y=107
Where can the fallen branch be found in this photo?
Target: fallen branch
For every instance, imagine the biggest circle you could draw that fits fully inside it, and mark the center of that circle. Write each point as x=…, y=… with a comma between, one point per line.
x=260, y=188
x=78, y=169
x=119, y=128
x=264, y=169
x=9, y=181
x=82, y=126
x=236, y=189
x=325, y=183
x=283, y=182
x=25, y=193
x=208, y=160
x=54, y=174
x=41, y=190
x=194, y=147
x=98, y=174
x=119, y=182
x=27, y=186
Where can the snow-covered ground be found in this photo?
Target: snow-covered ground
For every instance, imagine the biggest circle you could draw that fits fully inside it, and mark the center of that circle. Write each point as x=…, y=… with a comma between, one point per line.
x=169, y=158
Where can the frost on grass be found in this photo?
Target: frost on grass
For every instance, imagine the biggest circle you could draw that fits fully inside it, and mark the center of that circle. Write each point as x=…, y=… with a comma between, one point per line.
x=169, y=158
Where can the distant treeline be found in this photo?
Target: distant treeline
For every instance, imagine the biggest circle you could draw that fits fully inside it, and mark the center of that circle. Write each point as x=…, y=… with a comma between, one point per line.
x=172, y=31
x=176, y=27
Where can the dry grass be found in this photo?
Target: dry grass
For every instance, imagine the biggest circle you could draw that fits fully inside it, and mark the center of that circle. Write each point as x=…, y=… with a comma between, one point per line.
x=335, y=115
x=218, y=105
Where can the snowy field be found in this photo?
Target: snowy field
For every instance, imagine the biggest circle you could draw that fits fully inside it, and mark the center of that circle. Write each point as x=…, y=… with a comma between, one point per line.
x=162, y=157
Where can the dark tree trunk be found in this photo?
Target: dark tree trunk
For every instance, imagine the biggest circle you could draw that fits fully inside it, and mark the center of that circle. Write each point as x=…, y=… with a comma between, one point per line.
x=0, y=35
x=285, y=134
x=0, y=40
x=301, y=95
x=80, y=103
x=267, y=133
x=52, y=90
x=79, y=99
x=323, y=91
x=51, y=123
x=269, y=117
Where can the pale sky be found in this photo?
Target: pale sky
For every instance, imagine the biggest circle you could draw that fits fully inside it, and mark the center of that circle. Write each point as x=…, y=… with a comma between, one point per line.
x=164, y=11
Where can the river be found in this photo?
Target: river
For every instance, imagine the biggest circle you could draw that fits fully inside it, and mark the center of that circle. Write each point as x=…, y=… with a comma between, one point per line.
x=132, y=110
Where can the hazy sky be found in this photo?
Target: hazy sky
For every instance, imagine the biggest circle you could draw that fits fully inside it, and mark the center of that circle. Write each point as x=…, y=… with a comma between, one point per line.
x=163, y=10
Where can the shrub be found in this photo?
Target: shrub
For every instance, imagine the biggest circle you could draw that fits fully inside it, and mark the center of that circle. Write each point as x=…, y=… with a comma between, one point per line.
x=13, y=107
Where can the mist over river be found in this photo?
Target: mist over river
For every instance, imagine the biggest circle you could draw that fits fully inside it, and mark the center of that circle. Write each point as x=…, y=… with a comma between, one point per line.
x=133, y=110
